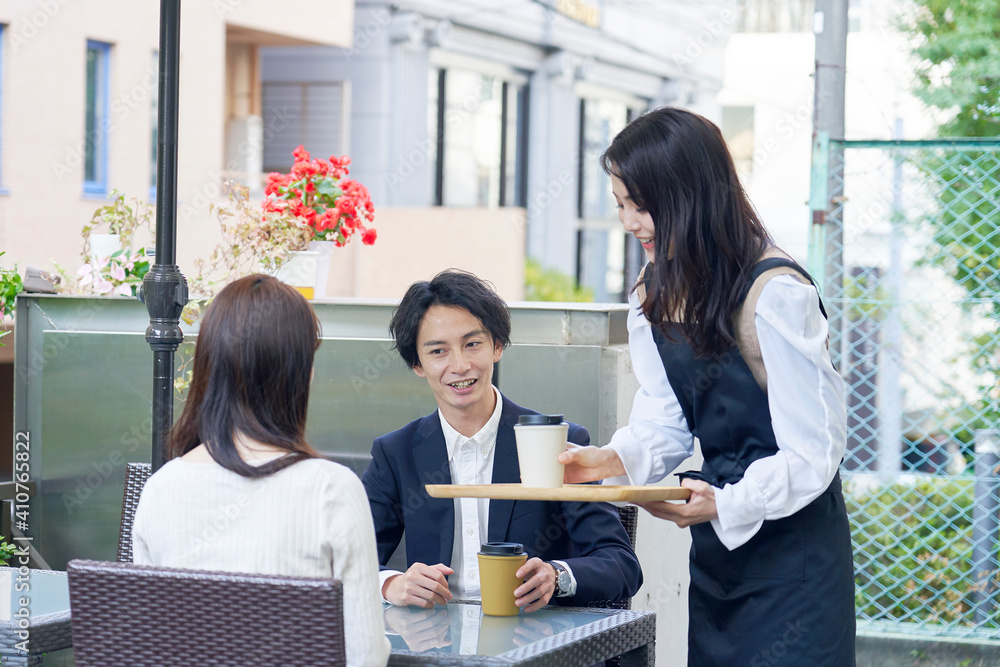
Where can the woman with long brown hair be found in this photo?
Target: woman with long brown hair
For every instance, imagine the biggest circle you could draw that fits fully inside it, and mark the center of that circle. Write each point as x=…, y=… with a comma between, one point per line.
x=728, y=339
x=243, y=491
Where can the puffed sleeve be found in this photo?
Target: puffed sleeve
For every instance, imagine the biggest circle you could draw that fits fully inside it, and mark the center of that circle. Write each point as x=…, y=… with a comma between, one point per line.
x=806, y=399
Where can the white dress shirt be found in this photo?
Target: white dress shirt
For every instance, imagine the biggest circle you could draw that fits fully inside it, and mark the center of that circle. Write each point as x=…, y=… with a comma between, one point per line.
x=471, y=462
x=806, y=400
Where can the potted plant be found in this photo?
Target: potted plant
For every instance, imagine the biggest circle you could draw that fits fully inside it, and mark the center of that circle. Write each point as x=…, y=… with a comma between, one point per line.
x=113, y=227
x=318, y=194
x=10, y=285
x=111, y=265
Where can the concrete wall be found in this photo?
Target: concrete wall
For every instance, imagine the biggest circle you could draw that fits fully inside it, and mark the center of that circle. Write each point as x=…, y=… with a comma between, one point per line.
x=416, y=243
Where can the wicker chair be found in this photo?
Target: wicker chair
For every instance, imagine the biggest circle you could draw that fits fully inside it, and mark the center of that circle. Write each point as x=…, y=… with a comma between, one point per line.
x=630, y=519
x=136, y=475
x=126, y=615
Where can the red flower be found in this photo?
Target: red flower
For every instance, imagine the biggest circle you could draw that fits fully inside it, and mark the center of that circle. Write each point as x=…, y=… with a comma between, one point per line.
x=318, y=193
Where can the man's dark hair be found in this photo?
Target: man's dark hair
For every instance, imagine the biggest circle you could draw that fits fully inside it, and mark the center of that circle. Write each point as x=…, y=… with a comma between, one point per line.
x=460, y=289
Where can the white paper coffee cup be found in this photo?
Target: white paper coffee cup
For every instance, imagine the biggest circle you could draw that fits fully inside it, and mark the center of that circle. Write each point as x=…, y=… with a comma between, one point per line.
x=540, y=439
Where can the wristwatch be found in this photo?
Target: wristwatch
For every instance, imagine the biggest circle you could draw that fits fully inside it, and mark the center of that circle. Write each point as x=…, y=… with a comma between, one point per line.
x=562, y=579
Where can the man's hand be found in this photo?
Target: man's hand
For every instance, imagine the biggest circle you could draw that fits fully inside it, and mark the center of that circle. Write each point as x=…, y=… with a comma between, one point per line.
x=588, y=464
x=698, y=509
x=531, y=630
x=538, y=587
x=421, y=586
x=421, y=630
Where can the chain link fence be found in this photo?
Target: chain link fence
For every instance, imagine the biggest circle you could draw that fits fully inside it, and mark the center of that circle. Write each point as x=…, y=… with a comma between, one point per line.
x=915, y=232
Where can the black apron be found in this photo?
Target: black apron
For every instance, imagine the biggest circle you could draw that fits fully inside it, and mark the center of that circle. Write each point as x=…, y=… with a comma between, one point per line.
x=785, y=597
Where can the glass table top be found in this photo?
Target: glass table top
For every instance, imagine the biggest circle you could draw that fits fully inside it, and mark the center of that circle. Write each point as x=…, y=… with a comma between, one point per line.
x=45, y=592
x=462, y=628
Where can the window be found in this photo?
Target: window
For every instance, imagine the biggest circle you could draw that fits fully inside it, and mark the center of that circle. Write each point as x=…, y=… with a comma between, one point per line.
x=154, y=122
x=477, y=126
x=95, y=157
x=2, y=27
x=307, y=114
x=776, y=16
x=737, y=128
x=606, y=261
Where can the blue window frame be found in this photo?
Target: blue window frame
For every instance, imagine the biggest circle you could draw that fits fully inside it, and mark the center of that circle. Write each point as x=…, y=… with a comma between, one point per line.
x=95, y=156
x=3, y=190
x=154, y=122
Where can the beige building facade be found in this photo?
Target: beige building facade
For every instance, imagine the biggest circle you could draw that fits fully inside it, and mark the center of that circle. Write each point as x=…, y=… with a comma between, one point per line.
x=78, y=88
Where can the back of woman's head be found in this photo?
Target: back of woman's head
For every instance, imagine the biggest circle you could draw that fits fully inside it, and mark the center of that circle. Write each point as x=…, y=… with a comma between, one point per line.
x=252, y=370
x=707, y=235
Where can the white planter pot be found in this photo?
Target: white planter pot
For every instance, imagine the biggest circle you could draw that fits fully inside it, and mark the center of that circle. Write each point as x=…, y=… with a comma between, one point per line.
x=324, y=250
x=300, y=271
x=102, y=246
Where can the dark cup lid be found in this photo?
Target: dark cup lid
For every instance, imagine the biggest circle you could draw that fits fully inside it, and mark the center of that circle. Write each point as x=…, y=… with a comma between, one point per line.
x=539, y=420
x=502, y=549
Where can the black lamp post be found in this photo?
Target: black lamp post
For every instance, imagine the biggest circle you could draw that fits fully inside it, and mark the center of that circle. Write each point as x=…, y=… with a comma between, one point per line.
x=164, y=288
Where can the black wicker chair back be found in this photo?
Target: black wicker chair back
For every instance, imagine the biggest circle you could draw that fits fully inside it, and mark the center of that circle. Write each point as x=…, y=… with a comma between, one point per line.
x=136, y=475
x=126, y=615
x=630, y=519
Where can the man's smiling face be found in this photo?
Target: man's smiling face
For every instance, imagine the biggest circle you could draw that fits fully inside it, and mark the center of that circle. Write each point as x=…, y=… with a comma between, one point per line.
x=457, y=354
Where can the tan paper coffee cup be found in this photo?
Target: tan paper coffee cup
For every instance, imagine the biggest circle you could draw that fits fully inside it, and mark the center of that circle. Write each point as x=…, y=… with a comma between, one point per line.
x=540, y=440
x=498, y=566
x=497, y=634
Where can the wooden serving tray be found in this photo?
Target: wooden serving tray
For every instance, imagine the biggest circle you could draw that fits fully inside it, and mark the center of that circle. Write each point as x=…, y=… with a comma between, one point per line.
x=567, y=492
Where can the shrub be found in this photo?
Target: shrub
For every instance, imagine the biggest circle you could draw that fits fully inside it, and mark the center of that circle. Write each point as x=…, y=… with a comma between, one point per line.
x=913, y=552
x=547, y=284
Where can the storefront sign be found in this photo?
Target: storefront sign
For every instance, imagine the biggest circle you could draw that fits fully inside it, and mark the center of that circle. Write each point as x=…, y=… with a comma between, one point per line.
x=580, y=11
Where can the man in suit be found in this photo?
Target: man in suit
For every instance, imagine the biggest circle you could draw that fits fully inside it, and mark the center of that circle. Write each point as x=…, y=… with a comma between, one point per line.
x=451, y=331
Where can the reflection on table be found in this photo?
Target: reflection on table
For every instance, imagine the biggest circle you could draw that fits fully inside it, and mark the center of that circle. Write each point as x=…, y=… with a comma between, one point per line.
x=456, y=634
x=43, y=597
x=563, y=635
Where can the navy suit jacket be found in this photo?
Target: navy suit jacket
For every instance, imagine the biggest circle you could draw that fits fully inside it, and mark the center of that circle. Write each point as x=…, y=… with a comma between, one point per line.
x=589, y=537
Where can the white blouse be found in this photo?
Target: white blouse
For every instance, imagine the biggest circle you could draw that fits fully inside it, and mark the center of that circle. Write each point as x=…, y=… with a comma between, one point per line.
x=310, y=519
x=806, y=399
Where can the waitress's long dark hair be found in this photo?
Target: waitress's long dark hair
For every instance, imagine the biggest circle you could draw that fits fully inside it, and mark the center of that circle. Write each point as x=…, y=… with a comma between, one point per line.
x=707, y=235
x=252, y=369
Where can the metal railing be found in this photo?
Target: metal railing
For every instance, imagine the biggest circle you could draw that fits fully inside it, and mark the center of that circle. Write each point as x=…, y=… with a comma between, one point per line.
x=916, y=295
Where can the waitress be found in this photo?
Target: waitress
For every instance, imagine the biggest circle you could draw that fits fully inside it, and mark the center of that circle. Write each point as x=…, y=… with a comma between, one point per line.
x=728, y=340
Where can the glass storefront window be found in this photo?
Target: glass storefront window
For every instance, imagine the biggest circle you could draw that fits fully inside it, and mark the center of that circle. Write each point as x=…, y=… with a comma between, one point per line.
x=477, y=133
x=604, y=259
x=601, y=120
